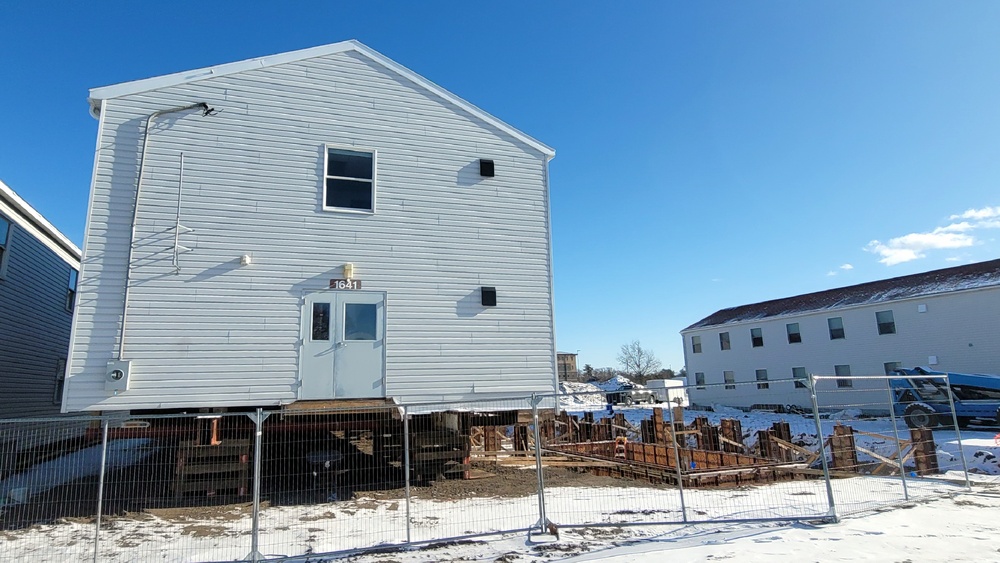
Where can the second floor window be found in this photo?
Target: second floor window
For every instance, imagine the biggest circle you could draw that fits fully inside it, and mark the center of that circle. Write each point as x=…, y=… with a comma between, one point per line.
x=794, y=336
x=724, y=340
x=4, y=236
x=836, y=325
x=696, y=344
x=756, y=337
x=349, y=182
x=886, y=324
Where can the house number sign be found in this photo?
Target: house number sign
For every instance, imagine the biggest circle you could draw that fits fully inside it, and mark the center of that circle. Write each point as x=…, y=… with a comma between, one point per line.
x=345, y=284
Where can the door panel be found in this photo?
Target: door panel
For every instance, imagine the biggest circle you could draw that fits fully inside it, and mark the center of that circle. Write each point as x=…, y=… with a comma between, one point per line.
x=343, y=343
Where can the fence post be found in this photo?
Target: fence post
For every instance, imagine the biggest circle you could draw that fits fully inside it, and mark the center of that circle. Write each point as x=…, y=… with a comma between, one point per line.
x=822, y=449
x=677, y=462
x=258, y=419
x=543, y=521
x=406, y=466
x=895, y=432
x=958, y=432
x=100, y=487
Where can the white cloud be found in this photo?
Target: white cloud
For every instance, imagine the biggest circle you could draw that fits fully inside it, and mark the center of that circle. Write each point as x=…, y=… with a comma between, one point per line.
x=954, y=235
x=979, y=214
x=846, y=267
x=831, y=273
x=912, y=246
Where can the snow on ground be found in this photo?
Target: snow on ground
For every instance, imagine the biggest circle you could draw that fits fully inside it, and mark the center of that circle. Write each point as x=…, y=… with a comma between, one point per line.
x=958, y=527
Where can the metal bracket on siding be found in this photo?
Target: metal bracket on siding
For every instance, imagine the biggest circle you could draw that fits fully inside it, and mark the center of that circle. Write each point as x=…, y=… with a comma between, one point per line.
x=178, y=228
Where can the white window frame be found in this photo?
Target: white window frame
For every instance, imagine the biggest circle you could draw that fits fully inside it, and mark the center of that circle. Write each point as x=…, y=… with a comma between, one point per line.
x=729, y=381
x=325, y=177
x=696, y=344
x=789, y=333
x=762, y=382
x=892, y=321
x=844, y=383
x=800, y=381
x=5, y=246
x=754, y=339
x=725, y=342
x=699, y=379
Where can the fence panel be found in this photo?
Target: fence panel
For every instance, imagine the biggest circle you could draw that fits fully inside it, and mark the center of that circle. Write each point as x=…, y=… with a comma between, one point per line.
x=880, y=449
x=598, y=470
x=482, y=482
x=48, y=473
x=762, y=463
x=331, y=480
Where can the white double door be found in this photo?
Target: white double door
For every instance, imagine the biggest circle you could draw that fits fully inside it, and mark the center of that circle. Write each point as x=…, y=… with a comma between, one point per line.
x=343, y=345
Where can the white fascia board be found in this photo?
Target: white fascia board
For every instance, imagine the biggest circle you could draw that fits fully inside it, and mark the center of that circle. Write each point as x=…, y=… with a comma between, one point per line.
x=32, y=221
x=97, y=95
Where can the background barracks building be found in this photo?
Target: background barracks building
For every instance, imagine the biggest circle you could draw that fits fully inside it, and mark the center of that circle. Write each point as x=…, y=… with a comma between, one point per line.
x=945, y=319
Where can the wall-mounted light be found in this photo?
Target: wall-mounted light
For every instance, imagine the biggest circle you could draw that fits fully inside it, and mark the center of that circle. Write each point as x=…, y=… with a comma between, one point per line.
x=246, y=260
x=348, y=271
x=486, y=168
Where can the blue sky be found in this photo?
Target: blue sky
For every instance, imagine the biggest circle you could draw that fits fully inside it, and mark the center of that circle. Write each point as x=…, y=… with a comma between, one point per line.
x=708, y=154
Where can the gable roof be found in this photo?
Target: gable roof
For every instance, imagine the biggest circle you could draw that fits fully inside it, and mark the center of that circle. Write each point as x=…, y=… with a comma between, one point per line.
x=98, y=95
x=970, y=276
x=25, y=216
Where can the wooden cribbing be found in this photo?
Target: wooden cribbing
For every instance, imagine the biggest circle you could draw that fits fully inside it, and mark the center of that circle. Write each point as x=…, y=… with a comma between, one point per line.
x=924, y=451
x=731, y=436
x=842, y=449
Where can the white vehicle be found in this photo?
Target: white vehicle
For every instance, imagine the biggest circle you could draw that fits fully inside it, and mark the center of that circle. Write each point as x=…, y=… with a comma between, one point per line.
x=669, y=390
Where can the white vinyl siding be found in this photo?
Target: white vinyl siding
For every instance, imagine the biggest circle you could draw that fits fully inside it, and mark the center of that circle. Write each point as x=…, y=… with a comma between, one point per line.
x=940, y=325
x=217, y=333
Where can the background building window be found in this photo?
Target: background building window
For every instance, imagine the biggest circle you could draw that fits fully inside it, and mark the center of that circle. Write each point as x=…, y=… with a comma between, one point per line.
x=730, y=378
x=800, y=377
x=891, y=367
x=762, y=376
x=699, y=379
x=843, y=371
x=4, y=236
x=836, y=325
x=794, y=336
x=756, y=337
x=886, y=324
x=71, y=291
x=57, y=393
x=696, y=344
x=724, y=340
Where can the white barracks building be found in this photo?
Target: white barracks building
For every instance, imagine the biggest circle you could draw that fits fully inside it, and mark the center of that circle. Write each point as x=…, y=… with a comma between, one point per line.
x=945, y=319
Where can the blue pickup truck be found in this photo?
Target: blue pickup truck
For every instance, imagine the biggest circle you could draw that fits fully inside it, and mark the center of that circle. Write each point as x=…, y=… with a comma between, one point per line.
x=923, y=401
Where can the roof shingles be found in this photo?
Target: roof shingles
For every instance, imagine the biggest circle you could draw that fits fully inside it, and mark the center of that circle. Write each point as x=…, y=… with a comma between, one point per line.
x=970, y=276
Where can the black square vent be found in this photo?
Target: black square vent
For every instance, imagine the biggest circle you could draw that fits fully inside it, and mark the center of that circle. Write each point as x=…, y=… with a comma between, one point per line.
x=486, y=168
x=489, y=295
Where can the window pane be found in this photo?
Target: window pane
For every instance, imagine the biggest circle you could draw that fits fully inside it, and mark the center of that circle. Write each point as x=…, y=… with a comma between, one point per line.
x=844, y=371
x=756, y=337
x=891, y=367
x=836, y=325
x=360, y=321
x=352, y=194
x=762, y=376
x=729, y=377
x=4, y=230
x=794, y=336
x=696, y=344
x=724, y=340
x=321, y=321
x=72, y=279
x=799, y=373
x=699, y=378
x=886, y=324
x=349, y=164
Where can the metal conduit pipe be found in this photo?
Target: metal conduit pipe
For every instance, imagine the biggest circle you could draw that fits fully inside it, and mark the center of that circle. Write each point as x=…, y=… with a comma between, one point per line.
x=135, y=210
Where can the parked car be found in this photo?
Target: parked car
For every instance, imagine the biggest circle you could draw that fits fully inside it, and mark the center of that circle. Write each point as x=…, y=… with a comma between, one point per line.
x=630, y=394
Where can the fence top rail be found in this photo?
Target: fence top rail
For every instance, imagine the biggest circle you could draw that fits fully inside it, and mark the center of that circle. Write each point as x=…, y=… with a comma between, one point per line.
x=881, y=377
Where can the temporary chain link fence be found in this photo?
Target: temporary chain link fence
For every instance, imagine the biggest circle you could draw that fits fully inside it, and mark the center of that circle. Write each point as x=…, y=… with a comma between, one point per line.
x=305, y=481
